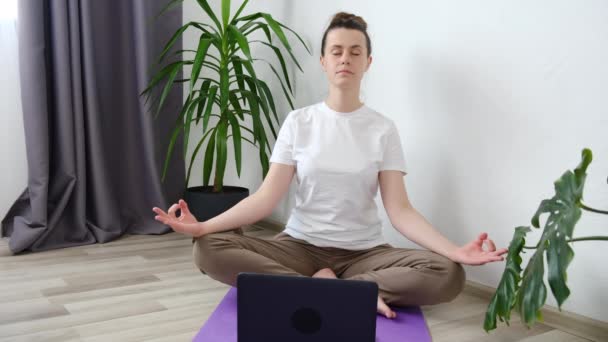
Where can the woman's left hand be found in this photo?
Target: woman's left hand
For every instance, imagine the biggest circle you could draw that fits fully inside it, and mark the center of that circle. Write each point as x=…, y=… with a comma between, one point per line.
x=473, y=253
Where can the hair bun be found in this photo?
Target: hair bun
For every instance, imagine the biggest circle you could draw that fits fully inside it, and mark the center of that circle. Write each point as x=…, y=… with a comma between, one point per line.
x=348, y=19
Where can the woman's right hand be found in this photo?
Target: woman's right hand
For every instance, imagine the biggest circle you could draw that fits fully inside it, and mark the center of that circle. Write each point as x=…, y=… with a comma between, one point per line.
x=186, y=223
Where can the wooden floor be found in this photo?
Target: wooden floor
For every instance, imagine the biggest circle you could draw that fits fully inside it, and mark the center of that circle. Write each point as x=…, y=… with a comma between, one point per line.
x=146, y=288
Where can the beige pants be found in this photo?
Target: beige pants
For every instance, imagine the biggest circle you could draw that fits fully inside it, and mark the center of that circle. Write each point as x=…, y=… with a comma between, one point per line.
x=404, y=276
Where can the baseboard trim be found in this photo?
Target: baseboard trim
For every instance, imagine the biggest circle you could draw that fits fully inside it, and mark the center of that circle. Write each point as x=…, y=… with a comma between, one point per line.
x=569, y=322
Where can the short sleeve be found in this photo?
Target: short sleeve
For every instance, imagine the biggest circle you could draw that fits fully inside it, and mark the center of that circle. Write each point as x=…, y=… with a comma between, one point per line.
x=392, y=157
x=283, y=148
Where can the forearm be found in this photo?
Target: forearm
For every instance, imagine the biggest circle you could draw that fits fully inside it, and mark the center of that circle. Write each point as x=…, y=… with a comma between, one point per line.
x=410, y=223
x=249, y=210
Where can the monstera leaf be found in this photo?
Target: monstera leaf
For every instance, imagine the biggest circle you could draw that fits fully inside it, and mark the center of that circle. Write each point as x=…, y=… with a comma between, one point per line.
x=503, y=300
x=564, y=210
x=533, y=292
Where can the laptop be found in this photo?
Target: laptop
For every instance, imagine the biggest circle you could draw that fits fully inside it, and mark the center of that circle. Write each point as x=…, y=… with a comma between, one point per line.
x=277, y=308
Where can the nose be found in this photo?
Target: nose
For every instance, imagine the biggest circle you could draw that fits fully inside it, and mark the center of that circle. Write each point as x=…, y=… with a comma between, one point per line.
x=345, y=58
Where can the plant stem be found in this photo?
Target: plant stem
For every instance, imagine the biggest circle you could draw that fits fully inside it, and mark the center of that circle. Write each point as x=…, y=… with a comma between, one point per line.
x=586, y=238
x=605, y=238
x=593, y=210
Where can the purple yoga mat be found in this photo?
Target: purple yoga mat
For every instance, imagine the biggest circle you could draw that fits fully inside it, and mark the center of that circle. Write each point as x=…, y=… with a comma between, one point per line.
x=408, y=326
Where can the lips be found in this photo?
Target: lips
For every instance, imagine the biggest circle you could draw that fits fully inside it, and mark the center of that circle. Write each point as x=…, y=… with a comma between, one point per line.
x=344, y=72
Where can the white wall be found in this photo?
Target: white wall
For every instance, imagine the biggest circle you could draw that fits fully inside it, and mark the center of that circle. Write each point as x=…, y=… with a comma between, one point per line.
x=12, y=143
x=493, y=101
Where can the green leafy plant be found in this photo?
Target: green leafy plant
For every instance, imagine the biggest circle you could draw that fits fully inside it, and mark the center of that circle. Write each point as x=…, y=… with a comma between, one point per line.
x=236, y=92
x=527, y=293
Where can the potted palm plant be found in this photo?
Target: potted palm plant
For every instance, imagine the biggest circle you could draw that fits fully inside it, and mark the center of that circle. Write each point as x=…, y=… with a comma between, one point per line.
x=223, y=84
x=527, y=293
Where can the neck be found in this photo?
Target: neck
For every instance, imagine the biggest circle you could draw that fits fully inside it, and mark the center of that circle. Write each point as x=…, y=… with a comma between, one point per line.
x=343, y=100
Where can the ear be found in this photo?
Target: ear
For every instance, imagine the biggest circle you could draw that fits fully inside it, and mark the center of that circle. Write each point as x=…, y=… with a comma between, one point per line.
x=322, y=62
x=369, y=62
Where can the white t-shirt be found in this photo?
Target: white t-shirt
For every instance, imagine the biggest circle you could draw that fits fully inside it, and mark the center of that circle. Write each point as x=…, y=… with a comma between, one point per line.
x=337, y=157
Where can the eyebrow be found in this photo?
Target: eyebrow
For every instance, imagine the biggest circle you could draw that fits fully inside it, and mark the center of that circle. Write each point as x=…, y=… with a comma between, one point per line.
x=340, y=46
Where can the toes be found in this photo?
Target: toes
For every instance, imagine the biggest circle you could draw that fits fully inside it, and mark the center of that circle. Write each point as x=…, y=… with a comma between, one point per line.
x=388, y=313
x=385, y=309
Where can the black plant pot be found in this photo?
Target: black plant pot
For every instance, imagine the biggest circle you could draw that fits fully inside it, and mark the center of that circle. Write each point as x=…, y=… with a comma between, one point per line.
x=206, y=204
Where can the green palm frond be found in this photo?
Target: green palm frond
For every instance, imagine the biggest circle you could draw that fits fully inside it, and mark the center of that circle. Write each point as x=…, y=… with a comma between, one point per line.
x=223, y=80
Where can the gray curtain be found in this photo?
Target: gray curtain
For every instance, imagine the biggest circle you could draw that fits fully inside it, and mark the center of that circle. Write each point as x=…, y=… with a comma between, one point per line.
x=94, y=150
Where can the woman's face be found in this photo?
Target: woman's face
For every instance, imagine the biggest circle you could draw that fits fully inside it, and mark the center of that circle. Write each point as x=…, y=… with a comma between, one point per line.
x=345, y=59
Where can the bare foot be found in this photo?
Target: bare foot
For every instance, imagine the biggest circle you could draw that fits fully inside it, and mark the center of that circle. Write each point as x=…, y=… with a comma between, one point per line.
x=382, y=308
x=385, y=310
x=325, y=273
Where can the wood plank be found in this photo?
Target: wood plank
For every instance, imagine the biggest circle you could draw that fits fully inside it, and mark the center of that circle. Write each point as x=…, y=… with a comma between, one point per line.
x=59, y=335
x=471, y=330
x=113, y=249
x=29, y=310
x=185, y=266
x=108, y=284
x=147, y=320
x=209, y=297
x=12, y=287
x=30, y=256
x=185, y=337
x=170, y=326
x=187, y=272
x=82, y=302
x=78, y=265
x=9, y=297
x=68, y=321
x=463, y=306
x=155, y=252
